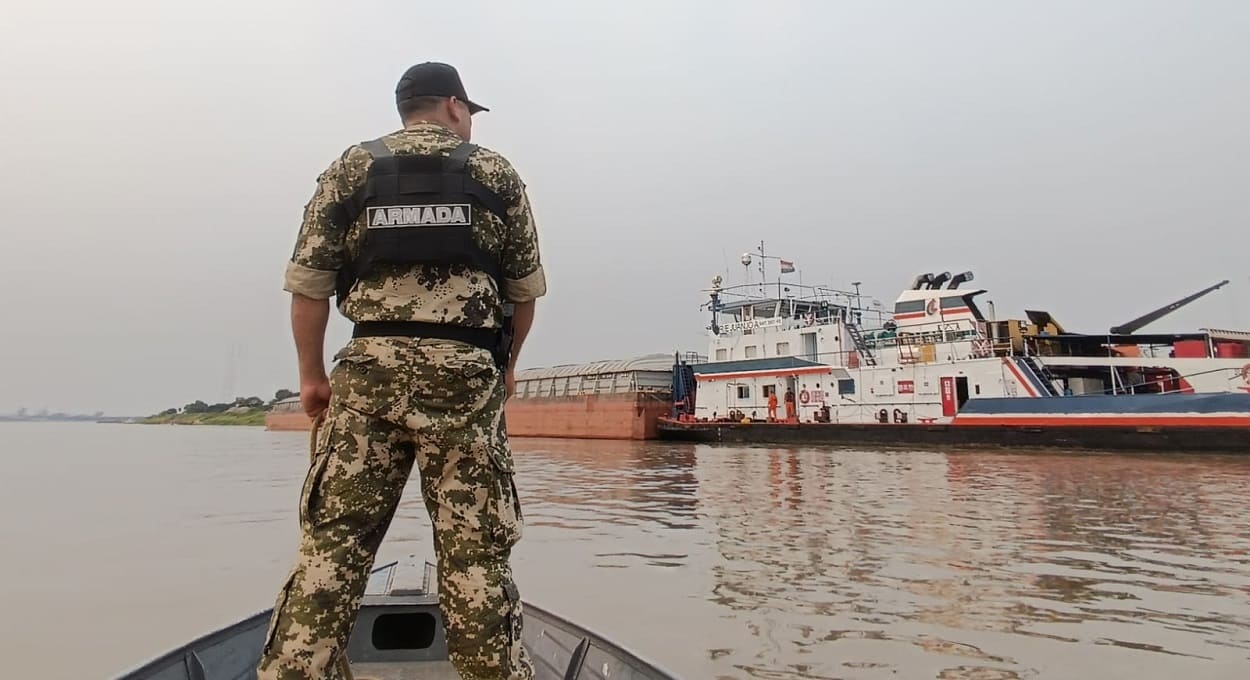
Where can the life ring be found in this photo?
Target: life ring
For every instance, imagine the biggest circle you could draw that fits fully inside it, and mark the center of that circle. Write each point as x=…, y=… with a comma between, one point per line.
x=932, y=307
x=804, y=397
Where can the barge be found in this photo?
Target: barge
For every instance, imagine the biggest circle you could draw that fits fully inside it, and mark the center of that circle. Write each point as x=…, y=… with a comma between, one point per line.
x=611, y=399
x=616, y=399
x=287, y=414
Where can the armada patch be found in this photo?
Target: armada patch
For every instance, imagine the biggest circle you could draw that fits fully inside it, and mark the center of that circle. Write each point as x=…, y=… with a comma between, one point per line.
x=449, y=215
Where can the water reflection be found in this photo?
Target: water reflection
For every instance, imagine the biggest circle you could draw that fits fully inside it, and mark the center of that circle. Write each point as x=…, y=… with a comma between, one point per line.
x=623, y=483
x=717, y=562
x=870, y=565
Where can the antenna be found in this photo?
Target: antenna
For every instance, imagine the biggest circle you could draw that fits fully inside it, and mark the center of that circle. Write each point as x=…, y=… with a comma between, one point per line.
x=228, y=375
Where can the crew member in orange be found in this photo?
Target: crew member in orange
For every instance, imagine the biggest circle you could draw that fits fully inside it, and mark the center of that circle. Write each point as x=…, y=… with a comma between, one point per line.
x=772, y=406
x=789, y=404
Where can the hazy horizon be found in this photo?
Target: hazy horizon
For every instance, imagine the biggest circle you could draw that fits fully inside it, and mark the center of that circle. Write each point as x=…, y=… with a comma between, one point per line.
x=1091, y=160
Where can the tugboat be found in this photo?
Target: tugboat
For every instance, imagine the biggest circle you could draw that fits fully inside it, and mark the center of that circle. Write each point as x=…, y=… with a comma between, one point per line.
x=938, y=369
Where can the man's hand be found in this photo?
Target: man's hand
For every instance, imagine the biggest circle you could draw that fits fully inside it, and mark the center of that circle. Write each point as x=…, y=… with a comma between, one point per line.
x=314, y=396
x=308, y=323
x=522, y=319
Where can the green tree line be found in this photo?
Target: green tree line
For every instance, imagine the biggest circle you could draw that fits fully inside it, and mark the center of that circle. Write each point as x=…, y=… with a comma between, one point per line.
x=200, y=406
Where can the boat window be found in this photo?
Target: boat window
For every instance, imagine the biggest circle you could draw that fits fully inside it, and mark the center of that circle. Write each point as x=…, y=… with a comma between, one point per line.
x=783, y=349
x=722, y=355
x=909, y=306
x=744, y=392
x=846, y=386
x=750, y=351
x=765, y=311
x=953, y=302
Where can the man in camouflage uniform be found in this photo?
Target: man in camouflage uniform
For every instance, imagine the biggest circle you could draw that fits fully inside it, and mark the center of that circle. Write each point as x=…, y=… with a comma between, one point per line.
x=391, y=402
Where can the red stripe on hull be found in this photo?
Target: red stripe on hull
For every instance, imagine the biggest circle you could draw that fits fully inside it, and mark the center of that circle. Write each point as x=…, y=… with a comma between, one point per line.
x=1109, y=421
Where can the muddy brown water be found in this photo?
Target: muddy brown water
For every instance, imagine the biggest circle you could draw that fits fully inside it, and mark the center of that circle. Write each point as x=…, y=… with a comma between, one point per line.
x=120, y=541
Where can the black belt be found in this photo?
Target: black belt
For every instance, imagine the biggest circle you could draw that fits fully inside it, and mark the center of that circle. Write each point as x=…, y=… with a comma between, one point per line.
x=486, y=338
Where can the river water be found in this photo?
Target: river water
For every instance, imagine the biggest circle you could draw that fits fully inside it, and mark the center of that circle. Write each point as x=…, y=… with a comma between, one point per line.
x=120, y=541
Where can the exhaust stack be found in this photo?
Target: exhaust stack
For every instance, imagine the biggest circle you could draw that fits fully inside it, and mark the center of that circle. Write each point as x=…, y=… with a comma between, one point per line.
x=960, y=278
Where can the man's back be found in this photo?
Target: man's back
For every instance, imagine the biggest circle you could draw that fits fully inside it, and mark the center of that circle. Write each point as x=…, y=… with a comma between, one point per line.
x=451, y=294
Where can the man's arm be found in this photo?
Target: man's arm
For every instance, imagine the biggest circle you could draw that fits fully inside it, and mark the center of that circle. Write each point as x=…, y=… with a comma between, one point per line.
x=312, y=272
x=522, y=320
x=309, y=317
x=524, y=278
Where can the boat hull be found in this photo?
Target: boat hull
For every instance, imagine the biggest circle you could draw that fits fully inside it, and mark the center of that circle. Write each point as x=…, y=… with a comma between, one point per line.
x=290, y=420
x=399, y=633
x=1172, y=439
x=632, y=415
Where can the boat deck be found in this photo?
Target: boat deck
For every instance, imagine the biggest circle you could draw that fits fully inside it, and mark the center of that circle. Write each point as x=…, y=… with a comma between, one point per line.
x=399, y=633
x=427, y=670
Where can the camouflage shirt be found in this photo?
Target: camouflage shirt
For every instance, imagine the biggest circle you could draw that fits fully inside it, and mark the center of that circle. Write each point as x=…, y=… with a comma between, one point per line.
x=452, y=294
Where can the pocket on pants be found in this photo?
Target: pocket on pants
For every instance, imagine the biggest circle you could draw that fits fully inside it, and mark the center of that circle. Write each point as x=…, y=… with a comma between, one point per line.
x=363, y=384
x=504, y=504
x=272, y=631
x=310, y=494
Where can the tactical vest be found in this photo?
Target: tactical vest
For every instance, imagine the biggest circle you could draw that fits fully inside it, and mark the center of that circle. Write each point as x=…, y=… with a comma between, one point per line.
x=419, y=210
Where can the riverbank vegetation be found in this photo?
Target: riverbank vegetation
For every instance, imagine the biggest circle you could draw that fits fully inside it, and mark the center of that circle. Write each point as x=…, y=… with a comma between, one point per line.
x=241, y=411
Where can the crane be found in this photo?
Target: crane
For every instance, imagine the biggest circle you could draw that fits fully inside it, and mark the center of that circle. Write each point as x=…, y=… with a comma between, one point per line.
x=1150, y=317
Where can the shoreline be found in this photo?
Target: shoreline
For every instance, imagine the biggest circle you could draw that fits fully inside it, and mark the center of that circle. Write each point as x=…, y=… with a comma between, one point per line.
x=252, y=418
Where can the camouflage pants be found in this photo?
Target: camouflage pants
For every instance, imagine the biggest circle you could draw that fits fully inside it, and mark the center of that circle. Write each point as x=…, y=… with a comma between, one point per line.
x=395, y=402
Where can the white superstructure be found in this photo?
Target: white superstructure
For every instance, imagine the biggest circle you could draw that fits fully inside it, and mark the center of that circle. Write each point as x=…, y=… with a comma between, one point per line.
x=922, y=359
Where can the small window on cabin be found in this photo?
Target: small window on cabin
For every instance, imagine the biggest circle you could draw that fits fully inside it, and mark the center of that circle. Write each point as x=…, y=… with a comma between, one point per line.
x=750, y=351
x=722, y=355
x=783, y=349
x=769, y=390
x=744, y=392
x=977, y=388
x=909, y=306
x=846, y=386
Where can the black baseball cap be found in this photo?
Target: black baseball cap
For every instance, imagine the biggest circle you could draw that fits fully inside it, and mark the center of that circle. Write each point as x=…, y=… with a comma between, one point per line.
x=433, y=79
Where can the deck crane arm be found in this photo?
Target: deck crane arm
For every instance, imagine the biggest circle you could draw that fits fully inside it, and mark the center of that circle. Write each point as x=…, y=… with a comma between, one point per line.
x=1150, y=317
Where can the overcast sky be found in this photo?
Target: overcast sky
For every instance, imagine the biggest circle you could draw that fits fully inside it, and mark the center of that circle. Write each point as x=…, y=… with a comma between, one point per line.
x=1091, y=159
